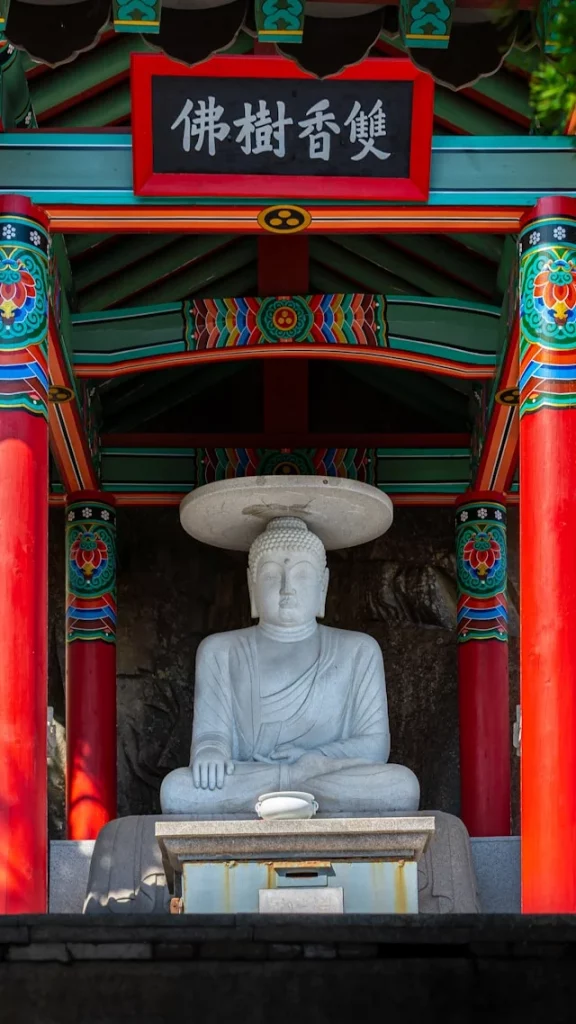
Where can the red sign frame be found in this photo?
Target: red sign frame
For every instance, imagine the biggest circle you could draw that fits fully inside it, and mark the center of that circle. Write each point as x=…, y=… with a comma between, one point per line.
x=148, y=182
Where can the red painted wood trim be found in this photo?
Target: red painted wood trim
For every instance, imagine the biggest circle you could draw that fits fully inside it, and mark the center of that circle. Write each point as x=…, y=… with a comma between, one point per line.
x=21, y=206
x=283, y=269
x=549, y=206
x=149, y=183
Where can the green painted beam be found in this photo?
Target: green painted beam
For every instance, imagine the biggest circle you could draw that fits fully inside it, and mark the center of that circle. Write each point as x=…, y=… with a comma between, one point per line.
x=242, y=44
x=469, y=118
x=489, y=246
x=170, y=471
x=104, y=109
x=445, y=257
x=524, y=60
x=422, y=278
x=364, y=274
x=506, y=89
x=78, y=244
x=87, y=72
x=146, y=275
x=202, y=279
x=127, y=251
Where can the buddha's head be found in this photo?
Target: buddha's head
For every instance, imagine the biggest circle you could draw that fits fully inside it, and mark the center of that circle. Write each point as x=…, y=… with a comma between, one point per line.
x=287, y=574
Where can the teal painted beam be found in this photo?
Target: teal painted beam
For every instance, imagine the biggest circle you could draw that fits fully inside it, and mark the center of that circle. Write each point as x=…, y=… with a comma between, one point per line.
x=96, y=169
x=434, y=334
x=173, y=471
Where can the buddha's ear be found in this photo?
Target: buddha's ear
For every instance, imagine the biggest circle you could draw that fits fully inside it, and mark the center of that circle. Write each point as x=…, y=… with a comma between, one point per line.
x=325, y=581
x=253, y=609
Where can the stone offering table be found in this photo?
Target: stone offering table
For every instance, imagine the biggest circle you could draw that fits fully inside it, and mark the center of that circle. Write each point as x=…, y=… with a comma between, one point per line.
x=334, y=865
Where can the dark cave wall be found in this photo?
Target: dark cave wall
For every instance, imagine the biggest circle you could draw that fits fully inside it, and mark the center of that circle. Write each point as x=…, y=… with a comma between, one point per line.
x=173, y=591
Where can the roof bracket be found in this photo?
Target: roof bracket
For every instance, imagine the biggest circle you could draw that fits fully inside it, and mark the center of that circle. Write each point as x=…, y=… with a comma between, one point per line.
x=137, y=16
x=426, y=24
x=279, y=21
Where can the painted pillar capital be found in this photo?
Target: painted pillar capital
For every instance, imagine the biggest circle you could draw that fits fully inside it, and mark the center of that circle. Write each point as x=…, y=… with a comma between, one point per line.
x=24, y=255
x=548, y=306
x=481, y=567
x=90, y=567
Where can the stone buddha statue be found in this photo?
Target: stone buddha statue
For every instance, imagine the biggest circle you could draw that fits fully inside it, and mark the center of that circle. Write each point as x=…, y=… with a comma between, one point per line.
x=288, y=703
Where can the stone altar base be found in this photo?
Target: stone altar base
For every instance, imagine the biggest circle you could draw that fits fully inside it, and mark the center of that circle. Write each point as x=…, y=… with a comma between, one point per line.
x=327, y=865
x=127, y=873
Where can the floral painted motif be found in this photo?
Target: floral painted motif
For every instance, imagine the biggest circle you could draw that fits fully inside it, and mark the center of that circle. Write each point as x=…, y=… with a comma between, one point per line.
x=23, y=317
x=483, y=556
x=555, y=291
x=89, y=552
x=91, y=573
x=481, y=572
x=17, y=292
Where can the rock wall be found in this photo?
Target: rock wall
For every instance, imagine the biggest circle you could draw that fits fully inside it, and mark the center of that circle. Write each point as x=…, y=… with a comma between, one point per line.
x=173, y=591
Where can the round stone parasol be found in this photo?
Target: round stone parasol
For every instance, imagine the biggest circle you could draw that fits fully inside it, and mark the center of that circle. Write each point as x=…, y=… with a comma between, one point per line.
x=231, y=513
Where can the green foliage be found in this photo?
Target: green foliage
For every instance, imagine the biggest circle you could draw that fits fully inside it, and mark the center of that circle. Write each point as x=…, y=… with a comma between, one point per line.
x=553, y=83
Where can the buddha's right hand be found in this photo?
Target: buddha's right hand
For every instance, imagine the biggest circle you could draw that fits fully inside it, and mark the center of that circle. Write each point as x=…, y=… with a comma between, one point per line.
x=209, y=769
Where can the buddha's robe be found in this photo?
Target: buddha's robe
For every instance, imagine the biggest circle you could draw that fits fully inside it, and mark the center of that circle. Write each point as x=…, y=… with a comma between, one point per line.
x=336, y=710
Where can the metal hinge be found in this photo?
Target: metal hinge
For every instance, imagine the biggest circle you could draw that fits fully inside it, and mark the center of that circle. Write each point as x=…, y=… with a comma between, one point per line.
x=517, y=731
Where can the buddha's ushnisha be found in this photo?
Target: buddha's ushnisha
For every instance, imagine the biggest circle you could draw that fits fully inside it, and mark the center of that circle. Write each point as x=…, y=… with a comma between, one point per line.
x=288, y=703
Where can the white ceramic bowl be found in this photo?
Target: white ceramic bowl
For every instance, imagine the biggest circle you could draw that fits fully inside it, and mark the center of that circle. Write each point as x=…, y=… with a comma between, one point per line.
x=286, y=805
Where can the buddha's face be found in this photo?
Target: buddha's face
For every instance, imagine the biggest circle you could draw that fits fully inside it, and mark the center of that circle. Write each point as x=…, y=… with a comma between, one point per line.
x=289, y=588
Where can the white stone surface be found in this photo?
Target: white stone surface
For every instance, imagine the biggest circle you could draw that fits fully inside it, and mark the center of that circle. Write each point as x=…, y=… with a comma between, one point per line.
x=231, y=513
x=69, y=867
x=289, y=704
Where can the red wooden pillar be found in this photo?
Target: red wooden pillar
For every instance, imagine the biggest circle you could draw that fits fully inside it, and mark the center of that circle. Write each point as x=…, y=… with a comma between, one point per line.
x=483, y=664
x=90, y=662
x=548, y=556
x=24, y=244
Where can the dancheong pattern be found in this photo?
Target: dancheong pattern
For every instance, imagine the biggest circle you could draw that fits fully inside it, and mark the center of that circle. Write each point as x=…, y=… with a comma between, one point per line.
x=23, y=315
x=426, y=23
x=91, y=571
x=548, y=315
x=481, y=569
x=310, y=319
x=229, y=463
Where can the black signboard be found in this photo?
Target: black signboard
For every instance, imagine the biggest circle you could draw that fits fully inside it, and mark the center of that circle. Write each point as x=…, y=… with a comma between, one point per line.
x=238, y=125
x=212, y=126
